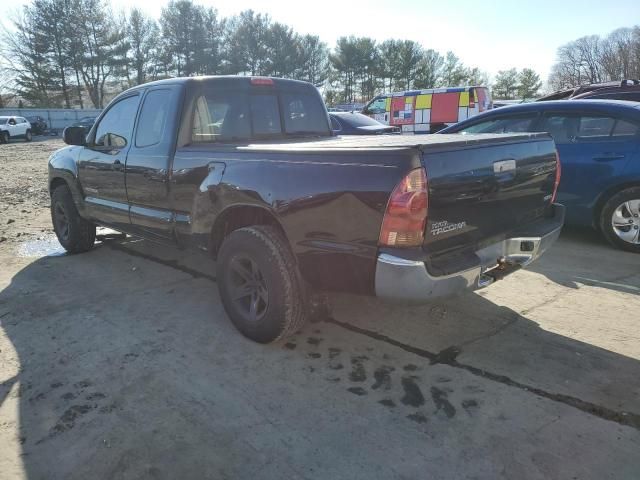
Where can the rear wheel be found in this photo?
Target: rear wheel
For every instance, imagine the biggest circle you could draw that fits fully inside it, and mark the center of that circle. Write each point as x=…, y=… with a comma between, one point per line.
x=620, y=220
x=74, y=233
x=28, y=136
x=4, y=137
x=259, y=284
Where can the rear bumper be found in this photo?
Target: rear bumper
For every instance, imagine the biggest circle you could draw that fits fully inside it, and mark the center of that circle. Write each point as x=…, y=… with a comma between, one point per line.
x=404, y=280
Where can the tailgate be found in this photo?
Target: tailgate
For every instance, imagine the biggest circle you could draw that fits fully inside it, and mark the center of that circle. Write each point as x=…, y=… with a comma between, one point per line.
x=478, y=194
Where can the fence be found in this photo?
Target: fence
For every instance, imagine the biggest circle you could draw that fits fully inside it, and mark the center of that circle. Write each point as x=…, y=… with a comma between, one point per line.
x=57, y=118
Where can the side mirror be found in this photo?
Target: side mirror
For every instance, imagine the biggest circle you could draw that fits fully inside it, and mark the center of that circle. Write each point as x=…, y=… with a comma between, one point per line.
x=74, y=136
x=111, y=141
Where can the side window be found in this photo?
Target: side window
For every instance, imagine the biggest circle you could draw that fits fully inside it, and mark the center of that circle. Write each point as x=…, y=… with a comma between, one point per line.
x=563, y=128
x=592, y=126
x=265, y=115
x=503, y=125
x=153, y=118
x=379, y=105
x=624, y=128
x=115, y=128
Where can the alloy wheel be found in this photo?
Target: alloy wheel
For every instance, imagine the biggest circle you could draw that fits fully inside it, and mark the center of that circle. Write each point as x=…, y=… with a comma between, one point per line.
x=62, y=221
x=626, y=221
x=248, y=288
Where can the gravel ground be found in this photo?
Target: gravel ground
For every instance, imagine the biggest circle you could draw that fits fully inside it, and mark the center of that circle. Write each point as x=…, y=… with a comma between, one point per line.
x=24, y=200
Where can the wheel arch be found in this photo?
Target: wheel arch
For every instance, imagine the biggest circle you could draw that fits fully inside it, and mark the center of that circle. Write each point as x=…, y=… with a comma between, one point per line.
x=239, y=216
x=604, y=197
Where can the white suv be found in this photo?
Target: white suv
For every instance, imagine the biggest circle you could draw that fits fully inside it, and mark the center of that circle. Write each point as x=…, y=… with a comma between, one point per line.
x=14, y=127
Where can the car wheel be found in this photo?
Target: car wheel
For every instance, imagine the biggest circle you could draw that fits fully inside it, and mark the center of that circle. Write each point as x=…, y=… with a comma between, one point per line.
x=4, y=137
x=74, y=233
x=28, y=136
x=260, y=285
x=620, y=220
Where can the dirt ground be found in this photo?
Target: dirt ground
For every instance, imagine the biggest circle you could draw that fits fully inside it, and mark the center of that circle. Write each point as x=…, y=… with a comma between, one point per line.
x=121, y=363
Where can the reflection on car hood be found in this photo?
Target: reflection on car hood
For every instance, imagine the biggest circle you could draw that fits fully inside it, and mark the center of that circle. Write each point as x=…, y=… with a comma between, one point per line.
x=375, y=128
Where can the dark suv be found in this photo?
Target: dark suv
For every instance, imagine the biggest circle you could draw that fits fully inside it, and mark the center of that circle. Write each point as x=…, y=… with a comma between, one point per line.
x=622, y=90
x=38, y=124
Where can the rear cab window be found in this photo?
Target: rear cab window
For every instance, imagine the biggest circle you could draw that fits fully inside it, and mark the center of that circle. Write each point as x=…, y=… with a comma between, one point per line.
x=227, y=116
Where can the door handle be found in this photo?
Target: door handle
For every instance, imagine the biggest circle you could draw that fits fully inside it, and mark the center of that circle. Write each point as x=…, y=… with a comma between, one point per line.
x=607, y=157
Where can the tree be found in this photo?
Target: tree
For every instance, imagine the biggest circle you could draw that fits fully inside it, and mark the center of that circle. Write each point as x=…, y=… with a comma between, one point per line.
x=475, y=76
x=454, y=73
x=529, y=84
x=506, y=84
x=103, y=49
x=389, y=53
x=344, y=62
x=210, y=57
x=409, y=56
x=247, y=43
x=429, y=70
x=183, y=35
x=283, y=51
x=314, y=60
x=26, y=55
x=52, y=23
x=592, y=59
x=142, y=35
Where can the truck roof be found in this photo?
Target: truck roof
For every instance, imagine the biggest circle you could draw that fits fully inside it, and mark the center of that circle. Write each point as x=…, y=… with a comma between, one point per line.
x=222, y=80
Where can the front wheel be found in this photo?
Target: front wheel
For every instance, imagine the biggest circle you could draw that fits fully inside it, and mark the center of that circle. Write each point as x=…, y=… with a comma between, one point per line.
x=28, y=136
x=260, y=285
x=74, y=233
x=620, y=220
x=4, y=137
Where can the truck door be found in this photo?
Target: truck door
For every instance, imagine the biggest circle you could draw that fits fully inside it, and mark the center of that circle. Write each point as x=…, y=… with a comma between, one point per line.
x=101, y=163
x=148, y=162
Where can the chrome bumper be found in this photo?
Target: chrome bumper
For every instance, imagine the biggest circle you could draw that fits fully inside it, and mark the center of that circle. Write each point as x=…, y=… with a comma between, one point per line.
x=399, y=279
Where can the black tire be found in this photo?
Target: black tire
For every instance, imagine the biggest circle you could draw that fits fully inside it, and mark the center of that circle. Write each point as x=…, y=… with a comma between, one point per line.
x=631, y=217
x=4, y=137
x=28, y=136
x=74, y=233
x=282, y=310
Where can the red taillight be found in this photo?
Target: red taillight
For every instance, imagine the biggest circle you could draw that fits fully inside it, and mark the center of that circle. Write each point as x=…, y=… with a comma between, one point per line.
x=556, y=184
x=406, y=214
x=261, y=81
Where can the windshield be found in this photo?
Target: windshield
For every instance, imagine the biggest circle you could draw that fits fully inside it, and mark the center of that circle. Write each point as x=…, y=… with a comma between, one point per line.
x=359, y=120
x=232, y=116
x=3, y=120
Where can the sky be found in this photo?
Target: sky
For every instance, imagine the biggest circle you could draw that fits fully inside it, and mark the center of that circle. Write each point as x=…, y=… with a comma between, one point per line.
x=491, y=35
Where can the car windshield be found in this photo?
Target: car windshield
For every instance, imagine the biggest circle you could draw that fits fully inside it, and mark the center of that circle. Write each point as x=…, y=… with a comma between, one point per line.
x=4, y=120
x=359, y=120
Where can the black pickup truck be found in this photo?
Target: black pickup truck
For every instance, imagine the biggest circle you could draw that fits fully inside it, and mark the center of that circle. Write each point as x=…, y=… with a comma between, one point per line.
x=248, y=169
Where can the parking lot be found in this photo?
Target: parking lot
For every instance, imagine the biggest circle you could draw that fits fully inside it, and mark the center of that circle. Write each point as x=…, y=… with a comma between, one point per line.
x=121, y=363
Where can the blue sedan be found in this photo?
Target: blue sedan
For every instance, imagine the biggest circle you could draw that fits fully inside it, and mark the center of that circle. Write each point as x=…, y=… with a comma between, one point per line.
x=598, y=143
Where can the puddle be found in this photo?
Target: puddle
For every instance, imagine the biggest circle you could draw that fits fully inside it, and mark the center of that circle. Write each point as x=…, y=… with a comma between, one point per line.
x=43, y=247
x=50, y=247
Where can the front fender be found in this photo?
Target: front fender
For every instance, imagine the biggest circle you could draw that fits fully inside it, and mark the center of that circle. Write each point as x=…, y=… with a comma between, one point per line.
x=63, y=165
